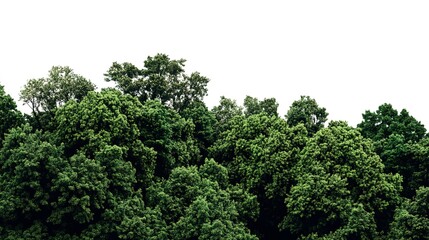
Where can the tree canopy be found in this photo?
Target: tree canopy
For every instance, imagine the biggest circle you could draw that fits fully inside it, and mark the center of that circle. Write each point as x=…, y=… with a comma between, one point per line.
x=341, y=191
x=400, y=141
x=386, y=121
x=148, y=159
x=161, y=78
x=9, y=114
x=61, y=85
x=307, y=111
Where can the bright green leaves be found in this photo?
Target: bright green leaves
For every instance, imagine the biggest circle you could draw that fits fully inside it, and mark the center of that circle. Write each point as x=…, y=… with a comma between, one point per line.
x=25, y=170
x=44, y=191
x=81, y=187
x=260, y=152
x=338, y=173
x=152, y=137
x=129, y=164
x=106, y=118
x=256, y=148
x=193, y=203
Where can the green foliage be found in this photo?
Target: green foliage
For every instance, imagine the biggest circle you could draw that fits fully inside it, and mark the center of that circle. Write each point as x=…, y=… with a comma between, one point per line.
x=130, y=219
x=420, y=168
x=162, y=79
x=386, y=121
x=254, y=106
x=44, y=95
x=412, y=218
x=225, y=111
x=154, y=138
x=410, y=159
x=307, y=111
x=43, y=193
x=9, y=115
x=62, y=85
x=128, y=163
x=341, y=188
x=25, y=161
x=39, y=185
x=80, y=189
x=106, y=118
x=196, y=206
x=260, y=152
x=254, y=148
x=170, y=135
x=205, y=125
x=398, y=139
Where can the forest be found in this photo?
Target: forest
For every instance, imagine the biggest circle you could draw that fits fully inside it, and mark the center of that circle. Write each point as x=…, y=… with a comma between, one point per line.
x=147, y=159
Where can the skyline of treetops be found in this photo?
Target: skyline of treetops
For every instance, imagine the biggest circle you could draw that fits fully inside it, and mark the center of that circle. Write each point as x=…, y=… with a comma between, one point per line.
x=147, y=159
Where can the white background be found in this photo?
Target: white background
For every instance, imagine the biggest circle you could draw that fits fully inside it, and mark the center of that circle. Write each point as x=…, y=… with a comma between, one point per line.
x=350, y=56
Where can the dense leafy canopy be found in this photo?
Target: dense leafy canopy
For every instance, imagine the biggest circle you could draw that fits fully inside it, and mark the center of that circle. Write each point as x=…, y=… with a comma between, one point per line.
x=341, y=190
x=260, y=151
x=9, y=114
x=149, y=160
x=386, y=121
x=162, y=79
x=205, y=125
x=412, y=218
x=307, y=111
x=400, y=141
x=224, y=112
x=254, y=106
x=62, y=85
x=201, y=203
x=154, y=138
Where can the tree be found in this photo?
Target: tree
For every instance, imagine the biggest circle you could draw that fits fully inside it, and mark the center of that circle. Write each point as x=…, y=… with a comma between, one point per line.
x=106, y=118
x=62, y=85
x=9, y=115
x=44, y=95
x=412, y=218
x=162, y=79
x=38, y=185
x=254, y=106
x=410, y=159
x=171, y=136
x=399, y=140
x=199, y=203
x=260, y=152
x=225, y=111
x=386, y=121
x=44, y=194
x=205, y=125
x=24, y=190
x=155, y=138
x=341, y=190
x=307, y=111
